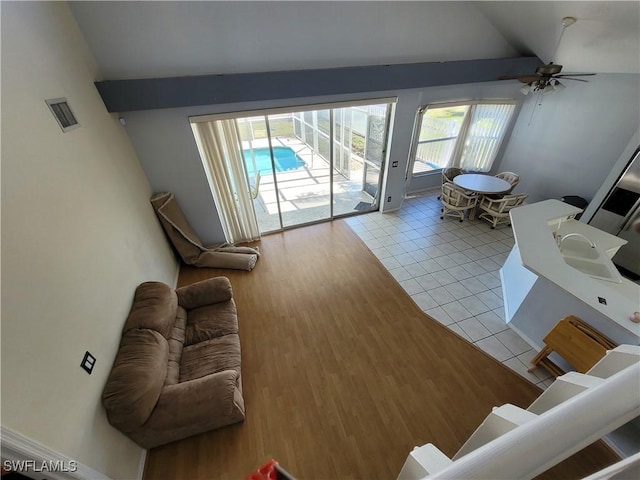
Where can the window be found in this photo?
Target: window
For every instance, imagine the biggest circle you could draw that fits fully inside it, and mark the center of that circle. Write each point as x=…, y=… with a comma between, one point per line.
x=466, y=135
x=439, y=132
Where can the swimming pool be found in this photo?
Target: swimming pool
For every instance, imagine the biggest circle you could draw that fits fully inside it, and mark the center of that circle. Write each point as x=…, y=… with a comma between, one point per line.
x=285, y=159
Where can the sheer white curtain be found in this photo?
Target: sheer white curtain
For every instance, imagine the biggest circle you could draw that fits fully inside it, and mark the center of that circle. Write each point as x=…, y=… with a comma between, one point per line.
x=220, y=149
x=483, y=135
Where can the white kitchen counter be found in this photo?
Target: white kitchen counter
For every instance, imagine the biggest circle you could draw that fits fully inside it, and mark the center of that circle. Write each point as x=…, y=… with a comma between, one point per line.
x=534, y=303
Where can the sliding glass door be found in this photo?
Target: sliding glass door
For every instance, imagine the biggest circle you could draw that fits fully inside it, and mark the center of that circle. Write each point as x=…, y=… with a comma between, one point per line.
x=304, y=182
x=260, y=171
x=309, y=165
x=360, y=137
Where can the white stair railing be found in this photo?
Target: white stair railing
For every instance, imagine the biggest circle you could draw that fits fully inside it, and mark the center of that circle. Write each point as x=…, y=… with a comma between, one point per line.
x=423, y=461
x=537, y=445
x=622, y=470
x=576, y=410
x=565, y=387
x=616, y=360
x=500, y=421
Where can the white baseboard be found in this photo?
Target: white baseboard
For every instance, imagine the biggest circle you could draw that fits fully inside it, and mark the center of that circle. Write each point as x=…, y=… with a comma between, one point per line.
x=423, y=191
x=143, y=461
x=16, y=447
x=176, y=275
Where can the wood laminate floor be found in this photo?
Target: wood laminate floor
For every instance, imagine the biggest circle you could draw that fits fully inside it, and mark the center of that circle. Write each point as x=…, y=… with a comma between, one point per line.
x=342, y=373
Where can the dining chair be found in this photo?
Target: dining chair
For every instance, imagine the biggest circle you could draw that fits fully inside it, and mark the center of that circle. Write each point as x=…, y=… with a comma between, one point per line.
x=455, y=201
x=512, y=178
x=496, y=210
x=449, y=173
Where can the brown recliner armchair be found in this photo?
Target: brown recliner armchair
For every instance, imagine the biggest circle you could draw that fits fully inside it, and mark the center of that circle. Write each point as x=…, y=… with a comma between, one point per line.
x=177, y=370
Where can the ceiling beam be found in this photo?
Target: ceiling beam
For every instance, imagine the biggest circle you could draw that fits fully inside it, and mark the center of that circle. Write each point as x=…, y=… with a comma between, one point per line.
x=174, y=92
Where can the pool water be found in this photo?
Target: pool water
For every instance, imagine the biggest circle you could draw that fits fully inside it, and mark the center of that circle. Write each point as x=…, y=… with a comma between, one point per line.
x=285, y=159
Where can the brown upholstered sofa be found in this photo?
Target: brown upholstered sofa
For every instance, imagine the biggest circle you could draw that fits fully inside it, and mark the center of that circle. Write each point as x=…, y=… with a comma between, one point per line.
x=177, y=370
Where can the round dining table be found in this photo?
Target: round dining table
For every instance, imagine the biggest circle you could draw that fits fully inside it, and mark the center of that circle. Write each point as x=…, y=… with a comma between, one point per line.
x=482, y=183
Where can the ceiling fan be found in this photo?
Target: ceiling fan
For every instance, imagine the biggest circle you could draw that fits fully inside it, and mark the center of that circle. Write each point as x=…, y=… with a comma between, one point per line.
x=546, y=78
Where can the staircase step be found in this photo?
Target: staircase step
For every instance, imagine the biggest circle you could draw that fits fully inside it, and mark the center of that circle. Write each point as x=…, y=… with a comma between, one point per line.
x=423, y=461
x=500, y=421
x=564, y=387
x=615, y=361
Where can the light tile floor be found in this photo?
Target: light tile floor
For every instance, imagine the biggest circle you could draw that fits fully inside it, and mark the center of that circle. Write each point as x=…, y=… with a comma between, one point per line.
x=450, y=269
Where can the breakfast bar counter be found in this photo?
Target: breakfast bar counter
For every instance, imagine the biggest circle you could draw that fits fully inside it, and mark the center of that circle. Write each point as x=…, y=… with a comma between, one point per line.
x=542, y=284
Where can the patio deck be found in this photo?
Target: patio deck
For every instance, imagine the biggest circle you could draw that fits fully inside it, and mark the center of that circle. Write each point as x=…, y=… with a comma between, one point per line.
x=304, y=193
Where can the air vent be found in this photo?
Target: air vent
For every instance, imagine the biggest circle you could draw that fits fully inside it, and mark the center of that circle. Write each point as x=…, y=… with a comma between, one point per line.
x=62, y=111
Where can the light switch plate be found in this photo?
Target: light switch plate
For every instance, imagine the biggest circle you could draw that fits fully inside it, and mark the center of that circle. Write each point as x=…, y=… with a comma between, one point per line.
x=88, y=362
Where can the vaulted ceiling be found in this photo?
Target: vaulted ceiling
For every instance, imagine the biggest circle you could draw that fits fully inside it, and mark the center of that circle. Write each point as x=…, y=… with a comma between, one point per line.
x=605, y=38
x=157, y=39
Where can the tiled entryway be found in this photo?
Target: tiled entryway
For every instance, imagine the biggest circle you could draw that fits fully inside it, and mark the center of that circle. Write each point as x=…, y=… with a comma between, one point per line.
x=450, y=269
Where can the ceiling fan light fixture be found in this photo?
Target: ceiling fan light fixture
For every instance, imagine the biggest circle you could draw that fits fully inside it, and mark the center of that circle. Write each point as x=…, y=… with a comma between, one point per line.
x=558, y=87
x=545, y=79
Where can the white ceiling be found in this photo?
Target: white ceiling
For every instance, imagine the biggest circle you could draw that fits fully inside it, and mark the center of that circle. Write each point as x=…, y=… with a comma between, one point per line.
x=605, y=39
x=158, y=39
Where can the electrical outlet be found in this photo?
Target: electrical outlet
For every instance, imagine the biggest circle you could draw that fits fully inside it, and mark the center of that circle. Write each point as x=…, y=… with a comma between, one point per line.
x=394, y=163
x=389, y=198
x=88, y=362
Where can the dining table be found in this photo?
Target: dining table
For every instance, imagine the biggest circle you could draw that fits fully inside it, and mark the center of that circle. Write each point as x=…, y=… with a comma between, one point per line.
x=483, y=184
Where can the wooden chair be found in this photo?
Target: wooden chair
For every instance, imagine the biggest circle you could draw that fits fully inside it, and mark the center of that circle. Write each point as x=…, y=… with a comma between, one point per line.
x=496, y=210
x=455, y=201
x=575, y=341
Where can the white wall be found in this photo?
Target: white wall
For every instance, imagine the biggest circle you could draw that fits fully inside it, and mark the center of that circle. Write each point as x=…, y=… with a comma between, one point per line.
x=575, y=138
x=78, y=235
x=165, y=39
x=164, y=142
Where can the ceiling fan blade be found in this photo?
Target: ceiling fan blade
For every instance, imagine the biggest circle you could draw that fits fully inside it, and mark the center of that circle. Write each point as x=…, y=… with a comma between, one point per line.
x=575, y=79
x=575, y=75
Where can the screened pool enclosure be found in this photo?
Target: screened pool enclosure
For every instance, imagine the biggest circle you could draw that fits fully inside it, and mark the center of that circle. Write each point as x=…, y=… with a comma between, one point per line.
x=300, y=165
